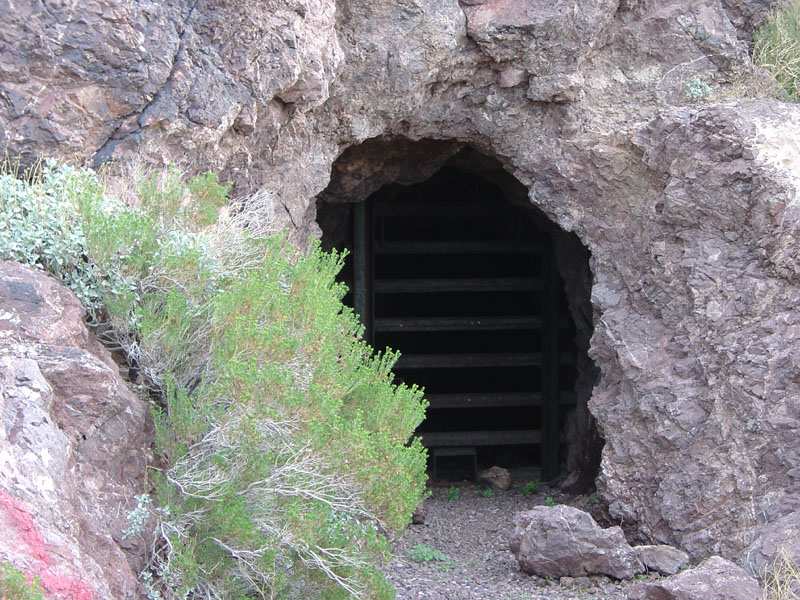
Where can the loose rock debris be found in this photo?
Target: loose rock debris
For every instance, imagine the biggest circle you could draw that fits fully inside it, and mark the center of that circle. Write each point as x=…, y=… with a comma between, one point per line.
x=474, y=561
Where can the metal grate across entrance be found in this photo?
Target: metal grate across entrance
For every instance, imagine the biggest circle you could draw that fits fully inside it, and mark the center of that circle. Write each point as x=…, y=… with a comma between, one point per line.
x=465, y=286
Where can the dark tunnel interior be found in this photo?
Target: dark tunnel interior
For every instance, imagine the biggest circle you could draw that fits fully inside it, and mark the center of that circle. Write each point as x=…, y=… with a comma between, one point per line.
x=465, y=285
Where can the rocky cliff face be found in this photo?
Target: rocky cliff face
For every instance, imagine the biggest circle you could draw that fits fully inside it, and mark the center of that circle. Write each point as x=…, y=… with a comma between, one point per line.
x=74, y=445
x=687, y=206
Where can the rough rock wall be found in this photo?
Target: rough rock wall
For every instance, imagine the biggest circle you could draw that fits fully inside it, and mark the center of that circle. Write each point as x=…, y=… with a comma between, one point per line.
x=687, y=207
x=697, y=338
x=74, y=445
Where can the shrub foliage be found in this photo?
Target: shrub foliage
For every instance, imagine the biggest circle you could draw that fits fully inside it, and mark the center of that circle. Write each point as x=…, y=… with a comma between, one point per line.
x=14, y=585
x=288, y=447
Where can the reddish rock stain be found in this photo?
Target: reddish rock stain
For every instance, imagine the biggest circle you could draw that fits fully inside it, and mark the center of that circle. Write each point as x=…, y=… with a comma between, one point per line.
x=30, y=537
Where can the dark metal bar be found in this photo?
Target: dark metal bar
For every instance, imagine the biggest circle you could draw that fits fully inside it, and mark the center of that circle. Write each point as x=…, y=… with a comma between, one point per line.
x=462, y=361
x=458, y=324
x=480, y=438
x=550, y=382
x=497, y=284
x=361, y=268
x=492, y=400
x=477, y=360
x=498, y=400
x=459, y=247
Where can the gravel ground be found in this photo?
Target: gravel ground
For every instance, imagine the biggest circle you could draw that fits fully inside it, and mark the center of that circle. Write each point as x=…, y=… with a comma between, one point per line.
x=472, y=533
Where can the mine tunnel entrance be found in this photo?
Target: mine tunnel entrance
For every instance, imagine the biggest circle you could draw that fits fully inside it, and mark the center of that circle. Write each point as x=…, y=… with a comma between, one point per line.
x=466, y=286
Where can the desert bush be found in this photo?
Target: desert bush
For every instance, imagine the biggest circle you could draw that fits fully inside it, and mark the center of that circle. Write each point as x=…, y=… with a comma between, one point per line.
x=14, y=585
x=423, y=553
x=39, y=227
x=289, y=447
x=777, y=48
x=451, y=493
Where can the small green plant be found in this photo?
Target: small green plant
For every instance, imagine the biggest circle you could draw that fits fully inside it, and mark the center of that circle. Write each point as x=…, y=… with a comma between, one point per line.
x=697, y=89
x=530, y=488
x=452, y=493
x=776, y=47
x=640, y=576
x=138, y=516
x=488, y=493
x=593, y=497
x=15, y=585
x=549, y=501
x=423, y=553
x=446, y=565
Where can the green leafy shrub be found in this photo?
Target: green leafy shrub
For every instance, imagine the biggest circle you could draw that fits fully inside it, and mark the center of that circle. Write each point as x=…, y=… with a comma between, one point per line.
x=697, y=89
x=530, y=488
x=423, y=553
x=488, y=493
x=289, y=447
x=549, y=501
x=776, y=47
x=14, y=585
x=39, y=227
x=452, y=493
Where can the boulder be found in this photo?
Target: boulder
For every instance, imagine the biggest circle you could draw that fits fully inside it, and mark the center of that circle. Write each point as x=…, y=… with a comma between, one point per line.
x=563, y=541
x=74, y=444
x=662, y=558
x=497, y=477
x=418, y=518
x=775, y=544
x=713, y=579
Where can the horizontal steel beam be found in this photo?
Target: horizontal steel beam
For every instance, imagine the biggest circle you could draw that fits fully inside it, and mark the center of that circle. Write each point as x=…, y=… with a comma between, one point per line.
x=474, y=360
x=480, y=438
x=493, y=400
x=464, y=360
x=489, y=284
x=458, y=247
x=458, y=324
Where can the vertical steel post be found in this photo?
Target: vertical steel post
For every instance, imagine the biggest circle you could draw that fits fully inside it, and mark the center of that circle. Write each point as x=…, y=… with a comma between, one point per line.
x=550, y=356
x=362, y=292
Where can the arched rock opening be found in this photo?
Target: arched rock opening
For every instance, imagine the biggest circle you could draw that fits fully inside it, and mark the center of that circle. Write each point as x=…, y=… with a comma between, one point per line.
x=486, y=298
